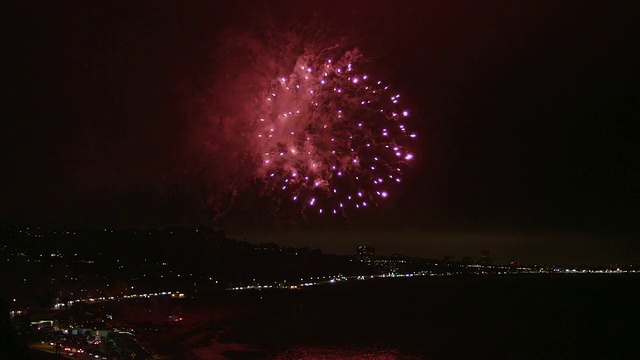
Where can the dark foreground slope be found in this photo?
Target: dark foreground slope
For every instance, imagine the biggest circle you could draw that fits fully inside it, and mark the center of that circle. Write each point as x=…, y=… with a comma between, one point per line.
x=11, y=346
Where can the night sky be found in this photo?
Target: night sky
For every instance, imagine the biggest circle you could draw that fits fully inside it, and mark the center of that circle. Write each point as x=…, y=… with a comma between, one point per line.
x=527, y=114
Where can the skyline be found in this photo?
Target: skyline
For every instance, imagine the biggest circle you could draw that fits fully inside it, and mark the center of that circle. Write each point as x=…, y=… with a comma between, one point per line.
x=548, y=249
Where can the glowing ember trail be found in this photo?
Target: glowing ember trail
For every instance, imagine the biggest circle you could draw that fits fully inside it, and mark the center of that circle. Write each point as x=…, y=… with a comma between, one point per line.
x=331, y=138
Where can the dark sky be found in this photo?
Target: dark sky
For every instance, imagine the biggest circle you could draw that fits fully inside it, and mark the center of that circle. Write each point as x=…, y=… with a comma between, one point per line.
x=527, y=112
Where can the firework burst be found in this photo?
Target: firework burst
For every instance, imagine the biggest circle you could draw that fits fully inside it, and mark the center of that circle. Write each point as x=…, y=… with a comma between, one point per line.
x=330, y=137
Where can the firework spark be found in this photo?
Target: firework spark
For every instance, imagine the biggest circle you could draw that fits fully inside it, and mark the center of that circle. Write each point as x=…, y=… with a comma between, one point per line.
x=332, y=139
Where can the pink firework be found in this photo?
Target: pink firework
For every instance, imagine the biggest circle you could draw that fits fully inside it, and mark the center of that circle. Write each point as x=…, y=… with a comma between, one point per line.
x=332, y=138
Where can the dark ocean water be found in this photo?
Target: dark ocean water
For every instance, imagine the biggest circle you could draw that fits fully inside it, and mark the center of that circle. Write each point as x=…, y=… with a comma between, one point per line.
x=578, y=316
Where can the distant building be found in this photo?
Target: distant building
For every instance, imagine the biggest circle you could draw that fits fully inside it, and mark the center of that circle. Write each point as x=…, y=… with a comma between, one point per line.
x=485, y=256
x=448, y=259
x=468, y=260
x=366, y=253
x=390, y=265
